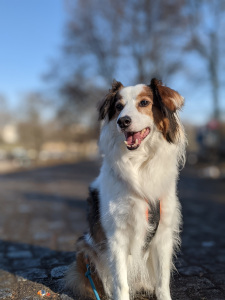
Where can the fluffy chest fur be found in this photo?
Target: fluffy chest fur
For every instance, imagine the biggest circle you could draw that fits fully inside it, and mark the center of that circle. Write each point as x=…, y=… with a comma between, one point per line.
x=129, y=182
x=142, y=143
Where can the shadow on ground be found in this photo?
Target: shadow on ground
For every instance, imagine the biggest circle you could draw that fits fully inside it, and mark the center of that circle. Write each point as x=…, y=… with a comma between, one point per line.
x=26, y=269
x=43, y=212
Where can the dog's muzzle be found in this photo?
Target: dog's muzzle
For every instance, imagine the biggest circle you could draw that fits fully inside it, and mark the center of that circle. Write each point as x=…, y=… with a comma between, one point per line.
x=124, y=122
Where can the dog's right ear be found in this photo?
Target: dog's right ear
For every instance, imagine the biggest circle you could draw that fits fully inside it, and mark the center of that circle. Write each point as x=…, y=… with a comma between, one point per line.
x=107, y=105
x=169, y=98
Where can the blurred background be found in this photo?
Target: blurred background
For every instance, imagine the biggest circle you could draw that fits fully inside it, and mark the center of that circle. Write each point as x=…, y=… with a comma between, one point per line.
x=58, y=59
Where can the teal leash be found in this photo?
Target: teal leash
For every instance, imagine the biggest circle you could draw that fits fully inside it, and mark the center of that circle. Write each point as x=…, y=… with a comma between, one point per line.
x=88, y=275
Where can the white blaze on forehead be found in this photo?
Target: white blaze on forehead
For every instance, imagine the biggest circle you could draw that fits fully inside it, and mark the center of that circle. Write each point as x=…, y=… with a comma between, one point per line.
x=139, y=120
x=131, y=92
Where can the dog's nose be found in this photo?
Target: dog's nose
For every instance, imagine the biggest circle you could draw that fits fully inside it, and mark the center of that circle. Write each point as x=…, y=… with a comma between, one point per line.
x=124, y=122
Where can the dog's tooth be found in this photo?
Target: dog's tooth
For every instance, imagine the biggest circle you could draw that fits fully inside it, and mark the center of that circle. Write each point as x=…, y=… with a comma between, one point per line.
x=126, y=142
x=136, y=142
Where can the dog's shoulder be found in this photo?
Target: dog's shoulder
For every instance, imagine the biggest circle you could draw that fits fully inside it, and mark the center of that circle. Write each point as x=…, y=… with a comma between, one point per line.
x=93, y=216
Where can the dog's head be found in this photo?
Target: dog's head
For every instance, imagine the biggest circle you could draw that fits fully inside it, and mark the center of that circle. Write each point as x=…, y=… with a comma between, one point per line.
x=141, y=110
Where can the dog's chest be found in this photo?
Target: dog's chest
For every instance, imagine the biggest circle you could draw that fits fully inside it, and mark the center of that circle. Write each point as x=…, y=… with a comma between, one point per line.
x=120, y=205
x=133, y=220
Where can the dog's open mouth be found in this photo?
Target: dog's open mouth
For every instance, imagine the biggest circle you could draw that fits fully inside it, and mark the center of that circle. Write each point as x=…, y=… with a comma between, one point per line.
x=134, y=139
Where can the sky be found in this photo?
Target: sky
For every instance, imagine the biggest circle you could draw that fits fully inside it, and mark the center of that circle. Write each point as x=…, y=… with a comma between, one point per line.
x=31, y=34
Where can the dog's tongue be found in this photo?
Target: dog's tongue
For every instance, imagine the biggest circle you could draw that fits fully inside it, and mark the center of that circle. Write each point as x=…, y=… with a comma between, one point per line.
x=134, y=139
x=131, y=137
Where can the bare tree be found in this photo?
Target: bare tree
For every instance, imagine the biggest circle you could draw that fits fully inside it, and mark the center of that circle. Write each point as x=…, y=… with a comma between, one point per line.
x=136, y=38
x=5, y=113
x=206, y=21
x=129, y=40
x=30, y=125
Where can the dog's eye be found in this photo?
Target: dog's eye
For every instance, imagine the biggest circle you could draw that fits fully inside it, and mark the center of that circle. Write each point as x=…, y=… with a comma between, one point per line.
x=119, y=106
x=144, y=103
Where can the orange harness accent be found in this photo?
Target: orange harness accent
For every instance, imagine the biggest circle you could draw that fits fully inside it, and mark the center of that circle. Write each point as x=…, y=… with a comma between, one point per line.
x=146, y=214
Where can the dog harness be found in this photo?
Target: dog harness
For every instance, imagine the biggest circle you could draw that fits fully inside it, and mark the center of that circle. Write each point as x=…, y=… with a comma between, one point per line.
x=152, y=215
x=88, y=275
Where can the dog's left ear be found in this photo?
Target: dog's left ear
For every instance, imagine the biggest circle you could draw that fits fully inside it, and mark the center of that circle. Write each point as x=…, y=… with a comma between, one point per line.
x=106, y=106
x=169, y=97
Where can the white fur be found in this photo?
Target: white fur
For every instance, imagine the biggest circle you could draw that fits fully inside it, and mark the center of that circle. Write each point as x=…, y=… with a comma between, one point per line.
x=128, y=182
x=129, y=95
x=126, y=179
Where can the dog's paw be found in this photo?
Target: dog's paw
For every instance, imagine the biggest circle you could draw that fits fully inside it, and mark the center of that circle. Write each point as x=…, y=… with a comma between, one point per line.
x=163, y=294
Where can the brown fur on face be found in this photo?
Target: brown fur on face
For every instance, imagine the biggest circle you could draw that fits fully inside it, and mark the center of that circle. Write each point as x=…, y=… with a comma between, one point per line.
x=163, y=103
x=107, y=105
x=146, y=94
x=151, y=110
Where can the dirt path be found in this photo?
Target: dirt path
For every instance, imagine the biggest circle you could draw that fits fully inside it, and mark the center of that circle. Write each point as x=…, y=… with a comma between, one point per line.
x=42, y=212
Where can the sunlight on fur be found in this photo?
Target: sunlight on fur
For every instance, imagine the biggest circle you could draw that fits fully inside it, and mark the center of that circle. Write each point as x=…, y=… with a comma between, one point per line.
x=133, y=210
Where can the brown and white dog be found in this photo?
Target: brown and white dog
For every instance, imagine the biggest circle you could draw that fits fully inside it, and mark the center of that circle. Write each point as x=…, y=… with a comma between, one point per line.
x=133, y=210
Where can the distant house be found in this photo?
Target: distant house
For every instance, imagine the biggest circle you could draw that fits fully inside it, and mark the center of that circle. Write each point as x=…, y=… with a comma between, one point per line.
x=10, y=134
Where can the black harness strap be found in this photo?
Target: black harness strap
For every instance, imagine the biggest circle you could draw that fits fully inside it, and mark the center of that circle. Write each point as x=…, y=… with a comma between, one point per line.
x=153, y=220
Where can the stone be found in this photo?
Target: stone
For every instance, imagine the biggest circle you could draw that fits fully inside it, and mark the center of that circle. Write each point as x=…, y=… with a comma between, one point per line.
x=215, y=268
x=19, y=254
x=58, y=285
x=180, y=262
x=20, y=247
x=5, y=293
x=196, y=283
x=208, y=244
x=211, y=294
x=191, y=270
x=26, y=263
x=218, y=279
x=4, y=264
x=65, y=297
x=40, y=262
x=50, y=261
x=32, y=274
x=221, y=258
x=19, y=279
x=59, y=271
x=31, y=298
x=179, y=295
x=223, y=288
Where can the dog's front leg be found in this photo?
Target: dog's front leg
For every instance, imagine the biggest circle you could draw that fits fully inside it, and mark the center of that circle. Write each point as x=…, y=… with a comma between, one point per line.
x=162, y=261
x=118, y=254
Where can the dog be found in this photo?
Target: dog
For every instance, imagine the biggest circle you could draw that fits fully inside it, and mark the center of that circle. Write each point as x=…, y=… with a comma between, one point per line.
x=134, y=213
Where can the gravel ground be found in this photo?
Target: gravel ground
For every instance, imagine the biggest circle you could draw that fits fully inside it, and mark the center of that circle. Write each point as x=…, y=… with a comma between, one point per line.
x=42, y=212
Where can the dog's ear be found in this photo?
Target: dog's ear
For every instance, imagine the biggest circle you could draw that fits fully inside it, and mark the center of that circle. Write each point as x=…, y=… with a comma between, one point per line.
x=168, y=102
x=107, y=105
x=170, y=98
